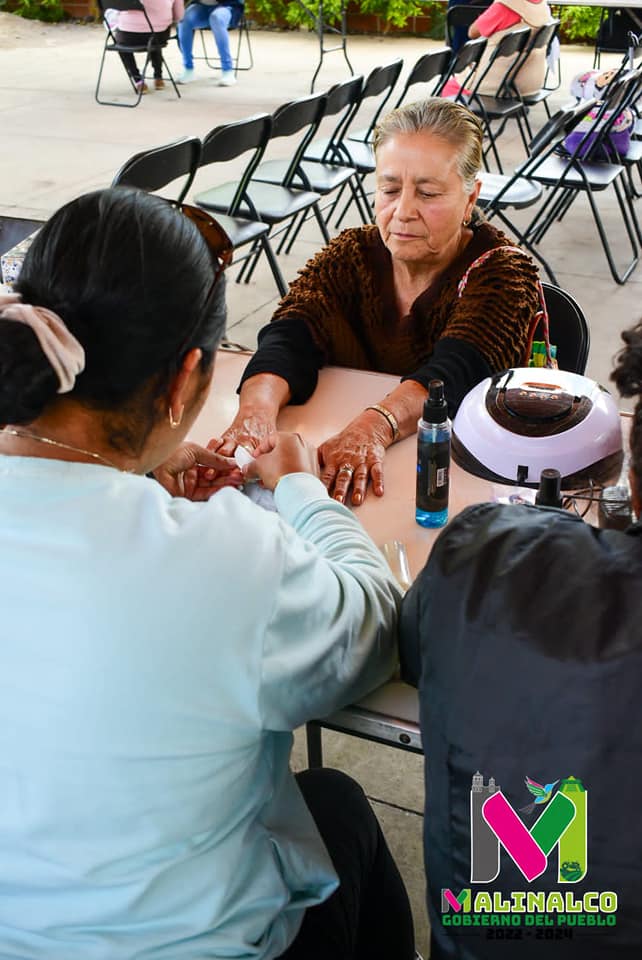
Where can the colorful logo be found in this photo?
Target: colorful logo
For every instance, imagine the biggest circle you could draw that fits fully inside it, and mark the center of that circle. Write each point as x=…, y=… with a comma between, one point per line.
x=560, y=807
x=562, y=823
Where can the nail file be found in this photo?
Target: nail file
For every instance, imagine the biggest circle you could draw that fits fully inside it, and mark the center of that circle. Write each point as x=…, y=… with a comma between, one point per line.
x=254, y=491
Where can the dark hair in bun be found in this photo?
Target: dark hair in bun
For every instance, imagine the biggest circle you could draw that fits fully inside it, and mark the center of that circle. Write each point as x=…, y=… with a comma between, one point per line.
x=131, y=278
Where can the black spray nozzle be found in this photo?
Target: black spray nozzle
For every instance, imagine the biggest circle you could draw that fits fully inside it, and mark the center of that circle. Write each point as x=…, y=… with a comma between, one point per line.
x=435, y=406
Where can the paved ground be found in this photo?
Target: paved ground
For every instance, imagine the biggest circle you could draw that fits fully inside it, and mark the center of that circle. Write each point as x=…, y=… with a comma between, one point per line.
x=56, y=142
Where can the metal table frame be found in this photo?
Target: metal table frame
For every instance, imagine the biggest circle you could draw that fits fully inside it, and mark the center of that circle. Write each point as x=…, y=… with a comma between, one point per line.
x=322, y=27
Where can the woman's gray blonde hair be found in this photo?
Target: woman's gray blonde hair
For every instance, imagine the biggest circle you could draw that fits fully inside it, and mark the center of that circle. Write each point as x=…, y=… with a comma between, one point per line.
x=451, y=121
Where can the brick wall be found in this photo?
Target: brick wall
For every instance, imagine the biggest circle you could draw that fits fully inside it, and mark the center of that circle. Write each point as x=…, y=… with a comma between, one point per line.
x=80, y=8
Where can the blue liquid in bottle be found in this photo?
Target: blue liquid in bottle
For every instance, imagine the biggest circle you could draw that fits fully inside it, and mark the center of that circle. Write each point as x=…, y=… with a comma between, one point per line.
x=433, y=459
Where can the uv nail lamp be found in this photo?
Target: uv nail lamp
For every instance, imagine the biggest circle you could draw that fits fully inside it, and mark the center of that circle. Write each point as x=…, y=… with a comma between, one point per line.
x=513, y=425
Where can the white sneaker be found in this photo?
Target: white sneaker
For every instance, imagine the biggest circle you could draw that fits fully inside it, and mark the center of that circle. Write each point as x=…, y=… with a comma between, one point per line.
x=228, y=78
x=187, y=76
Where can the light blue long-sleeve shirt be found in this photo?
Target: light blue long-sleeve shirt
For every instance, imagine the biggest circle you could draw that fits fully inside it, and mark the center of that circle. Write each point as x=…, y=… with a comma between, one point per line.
x=155, y=655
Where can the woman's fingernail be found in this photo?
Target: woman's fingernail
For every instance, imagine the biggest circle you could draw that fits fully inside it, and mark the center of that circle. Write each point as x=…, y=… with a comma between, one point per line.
x=210, y=474
x=357, y=498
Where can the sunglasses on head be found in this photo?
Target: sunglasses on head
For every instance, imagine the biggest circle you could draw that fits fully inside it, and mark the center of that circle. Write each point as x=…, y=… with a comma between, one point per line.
x=218, y=242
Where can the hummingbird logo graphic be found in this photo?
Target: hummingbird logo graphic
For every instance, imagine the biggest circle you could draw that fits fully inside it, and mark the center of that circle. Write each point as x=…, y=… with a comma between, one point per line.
x=541, y=792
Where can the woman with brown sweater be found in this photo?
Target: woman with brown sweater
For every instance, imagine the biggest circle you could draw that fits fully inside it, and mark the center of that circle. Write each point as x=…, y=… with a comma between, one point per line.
x=389, y=298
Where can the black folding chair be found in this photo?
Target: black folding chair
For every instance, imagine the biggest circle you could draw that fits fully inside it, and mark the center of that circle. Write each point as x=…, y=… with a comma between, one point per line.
x=429, y=68
x=616, y=26
x=573, y=175
x=463, y=64
x=461, y=16
x=328, y=175
x=240, y=62
x=380, y=83
x=286, y=202
x=542, y=38
x=111, y=45
x=568, y=329
x=154, y=169
x=504, y=105
x=355, y=146
x=234, y=208
x=500, y=192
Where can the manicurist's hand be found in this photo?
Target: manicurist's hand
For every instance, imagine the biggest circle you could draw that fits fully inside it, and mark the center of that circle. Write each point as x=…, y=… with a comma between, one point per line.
x=291, y=454
x=196, y=473
x=355, y=456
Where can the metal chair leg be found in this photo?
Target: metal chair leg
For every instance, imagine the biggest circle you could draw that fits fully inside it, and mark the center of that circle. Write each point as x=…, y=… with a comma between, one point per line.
x=314, y=745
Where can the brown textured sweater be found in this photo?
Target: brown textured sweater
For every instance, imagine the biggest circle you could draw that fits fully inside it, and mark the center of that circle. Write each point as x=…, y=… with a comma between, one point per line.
x=344, y=298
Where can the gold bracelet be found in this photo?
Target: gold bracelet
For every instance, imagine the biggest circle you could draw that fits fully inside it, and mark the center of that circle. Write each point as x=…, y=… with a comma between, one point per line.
x=390, y=417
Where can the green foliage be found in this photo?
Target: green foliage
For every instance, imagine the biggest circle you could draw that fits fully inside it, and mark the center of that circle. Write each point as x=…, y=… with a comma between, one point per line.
x=394, y=12
x=50, y=10
x=579, y=24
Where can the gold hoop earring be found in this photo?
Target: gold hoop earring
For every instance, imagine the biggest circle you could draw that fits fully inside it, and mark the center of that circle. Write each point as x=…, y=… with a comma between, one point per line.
x=465, y=222
x=172, y=422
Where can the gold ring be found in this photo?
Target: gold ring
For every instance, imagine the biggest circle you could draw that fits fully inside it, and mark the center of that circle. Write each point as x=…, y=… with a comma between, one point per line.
x=346, y=468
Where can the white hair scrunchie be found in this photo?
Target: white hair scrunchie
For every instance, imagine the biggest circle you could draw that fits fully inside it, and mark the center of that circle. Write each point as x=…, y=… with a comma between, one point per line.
x=63, y=351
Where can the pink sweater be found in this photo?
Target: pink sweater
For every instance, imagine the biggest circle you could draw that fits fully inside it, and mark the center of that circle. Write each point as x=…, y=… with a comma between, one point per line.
x=161, y=13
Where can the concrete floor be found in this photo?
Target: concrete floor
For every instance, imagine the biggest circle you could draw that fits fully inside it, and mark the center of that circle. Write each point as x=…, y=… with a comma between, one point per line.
x=56, y=143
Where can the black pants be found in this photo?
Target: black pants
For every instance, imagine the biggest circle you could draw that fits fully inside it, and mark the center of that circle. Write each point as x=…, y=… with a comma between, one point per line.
x=137, y=40
x=368, y=917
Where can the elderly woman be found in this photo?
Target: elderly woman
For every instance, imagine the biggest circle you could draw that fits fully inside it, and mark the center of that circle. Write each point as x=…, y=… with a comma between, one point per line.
x=544, y=610
x=156, y=652
x=390, y=298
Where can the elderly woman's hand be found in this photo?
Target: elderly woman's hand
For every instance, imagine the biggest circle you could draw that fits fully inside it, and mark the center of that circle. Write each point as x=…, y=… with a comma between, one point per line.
x=255, y=431
x=354, y=456
x=196, y=473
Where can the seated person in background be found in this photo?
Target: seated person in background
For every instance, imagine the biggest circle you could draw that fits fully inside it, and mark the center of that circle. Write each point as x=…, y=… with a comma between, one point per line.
x=522, y=633
x=220, y=16
x=157, y=653
x=131, y=27
x=387, y=298
x=501, y=17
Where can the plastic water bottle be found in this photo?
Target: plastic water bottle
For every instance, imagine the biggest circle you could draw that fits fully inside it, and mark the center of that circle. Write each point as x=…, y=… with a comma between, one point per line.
x=433, y=459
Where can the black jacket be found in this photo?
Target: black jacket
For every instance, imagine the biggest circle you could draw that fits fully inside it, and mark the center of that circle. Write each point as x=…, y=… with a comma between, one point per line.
x=524, y=635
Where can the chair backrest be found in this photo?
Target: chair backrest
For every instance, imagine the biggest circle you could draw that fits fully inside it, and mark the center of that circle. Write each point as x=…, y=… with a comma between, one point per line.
x=510, y=47
x=120, y=5
x=232, y=140
x=153, y=169
x=539, y=39
x=559, y=125
x=305, y=114
x=465, y=61
x=542, y=145
x=601, y=140
x=568, y=327
x=430, y=66
x=461, y=15
x=379, y=83
x=343, y=99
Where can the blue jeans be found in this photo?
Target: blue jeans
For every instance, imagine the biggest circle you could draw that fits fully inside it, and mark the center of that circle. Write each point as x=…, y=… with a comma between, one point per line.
x=219, y=18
